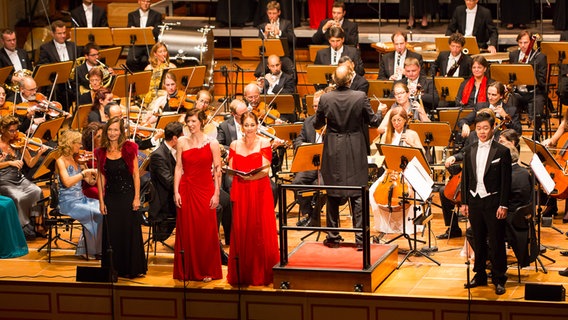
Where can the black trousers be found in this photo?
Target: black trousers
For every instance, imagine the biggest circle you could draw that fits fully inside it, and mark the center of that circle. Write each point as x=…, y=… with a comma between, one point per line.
x=332, y=216
x=450, y=215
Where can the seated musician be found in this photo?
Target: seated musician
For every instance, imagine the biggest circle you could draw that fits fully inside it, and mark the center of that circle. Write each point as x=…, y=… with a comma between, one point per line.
x=13, y=184
x=252, y=97
x=420, y=87
x=388, y=217
x=95, y=76
x=453, y=63
x=402, y=99
x=170, y=99
x=505, y=112
x=391, y=66
x=533, y=98
x=474, y=89
x=27, y=98
x=310, y=207
x=89, y=15
x=159, y=60
x=91, y=54
x=141, y=18
x=102, y=98
x=10, y=55
x=358, y=82
x=6, y=107
x=331, y=55
x=276, y=81
x=72, y=201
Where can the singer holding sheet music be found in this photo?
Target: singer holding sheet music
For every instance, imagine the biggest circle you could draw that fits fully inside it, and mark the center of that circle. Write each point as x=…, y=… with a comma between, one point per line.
x=254, y=243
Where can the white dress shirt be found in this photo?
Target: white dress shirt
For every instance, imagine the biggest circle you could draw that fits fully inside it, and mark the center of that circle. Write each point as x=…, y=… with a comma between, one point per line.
x=61, y=51
x=13, y=55
x=88, y=15
x=469, y=20
x=143, y=18
x=481, y=162
x=335, y=55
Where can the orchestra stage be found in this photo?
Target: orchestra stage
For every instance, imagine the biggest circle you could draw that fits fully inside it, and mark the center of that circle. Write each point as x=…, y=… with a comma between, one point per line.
x=32, y=288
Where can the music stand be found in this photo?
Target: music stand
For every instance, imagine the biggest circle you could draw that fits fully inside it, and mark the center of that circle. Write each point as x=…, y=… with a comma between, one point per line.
x=318, y=74
x=432, y=134
x=45, y=166
x=4, y=73
x=308, y=158
x=252, y=47
x=141, y=81
x=314, y=48
x=309, y=104
x=514, y=74
x=102, y=36
x=380, y=88
x=45, y=74
x=442, y=44
x=81, y=117
x=551, y=50
x=397, y=157
x=447, y=87
x=287, y=131
x=165, y=119
x=285, y=103
x=133, y=36
x=50, y=127
x=451, y=115
x=110, y=55
x=192, y=75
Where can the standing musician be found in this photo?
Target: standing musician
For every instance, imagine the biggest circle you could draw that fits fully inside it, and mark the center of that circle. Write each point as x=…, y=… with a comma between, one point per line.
x=88, y=15
x=534, y=101
x=420, y=87
x=453, y=63
x=159, y=60
x=13, y=183
x=141, y=18
x=338, y=19
x=474, y=89
x=12, y=56
x=358, y=82
x=505, y=112
x=402, y=99
x=486, y=185
x=346, y=114
x=330, y=56
x=473, y=20
x=391, y=66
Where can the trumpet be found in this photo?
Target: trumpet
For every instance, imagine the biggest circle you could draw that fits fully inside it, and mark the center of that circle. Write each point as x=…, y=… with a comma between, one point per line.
x=271, y=28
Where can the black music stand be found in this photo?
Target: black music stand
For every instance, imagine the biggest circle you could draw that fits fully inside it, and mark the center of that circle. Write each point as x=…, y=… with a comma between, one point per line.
x=432, y=134
x=4, y=73
x=397, y=157
x=191, y=77
x=102, y=36
x=308, y=158
x=380, y=88
x=140, y=81
x=319, y=74
x=46, y=74
x=49, y=129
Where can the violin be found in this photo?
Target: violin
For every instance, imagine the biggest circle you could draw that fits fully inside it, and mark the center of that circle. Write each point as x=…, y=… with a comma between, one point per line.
x=7, y=109
x=271, y=133
x=392, y=187
x=33, y=144
x=53, y=108
x=178, y=101
x=269, y=118
x=452, y=191
x=84, y=157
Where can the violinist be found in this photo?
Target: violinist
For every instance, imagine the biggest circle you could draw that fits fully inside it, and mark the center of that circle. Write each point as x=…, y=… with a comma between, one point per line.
x=505, y=112
x=202, y=101
x=13, y=184
x=95, y=83
x=402, y=99
x=159, y=60
x=27, y=99
x=252, y=97
x=103, y=97
x=531, y=97
x=168, y=100
x=72, y=201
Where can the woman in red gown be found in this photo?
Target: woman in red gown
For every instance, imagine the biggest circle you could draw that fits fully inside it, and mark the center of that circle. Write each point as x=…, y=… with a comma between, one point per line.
x=196, y=192
x=254, y=242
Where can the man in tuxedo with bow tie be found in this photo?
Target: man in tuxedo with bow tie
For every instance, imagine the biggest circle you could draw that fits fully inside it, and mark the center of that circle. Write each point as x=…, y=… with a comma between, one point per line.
x=12, y=56
x=331, y=55
x=486, y=185
x=88, y=15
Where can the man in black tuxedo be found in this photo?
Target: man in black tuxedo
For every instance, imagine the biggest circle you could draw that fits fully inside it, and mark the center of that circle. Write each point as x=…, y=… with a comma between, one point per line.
x=358, y=83
x=12, y=56
x=391, y=66
x=229, y=131
x=330, y=56
x=161, y=168
x=473, y=20
x=338, y=20
x=59, y=50
x=526, y=95
x=142, y=17
x=276, y=80
x=416, y=81
x=486, y=185
x=453, y=63
x=88, y=15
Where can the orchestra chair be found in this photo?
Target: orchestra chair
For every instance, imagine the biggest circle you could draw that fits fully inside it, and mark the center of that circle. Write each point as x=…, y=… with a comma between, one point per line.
x=146, y=217
x=53, y=220
x=523, y=218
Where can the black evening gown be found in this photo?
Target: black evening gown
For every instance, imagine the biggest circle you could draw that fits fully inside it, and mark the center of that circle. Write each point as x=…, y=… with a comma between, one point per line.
x=121, y=228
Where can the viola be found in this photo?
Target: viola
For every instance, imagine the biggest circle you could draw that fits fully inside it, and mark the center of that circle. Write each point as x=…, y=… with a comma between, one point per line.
x=33, y=144
x=389, y=190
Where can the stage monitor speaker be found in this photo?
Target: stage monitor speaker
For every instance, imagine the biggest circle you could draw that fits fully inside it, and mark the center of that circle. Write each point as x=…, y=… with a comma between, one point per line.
x=545, y=292
x=93, y=274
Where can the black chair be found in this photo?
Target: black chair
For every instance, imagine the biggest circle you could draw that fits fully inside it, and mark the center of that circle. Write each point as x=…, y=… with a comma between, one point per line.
x=522, y=236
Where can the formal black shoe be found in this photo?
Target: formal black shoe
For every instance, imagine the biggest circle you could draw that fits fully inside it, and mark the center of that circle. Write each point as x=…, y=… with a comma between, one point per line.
x=456, y=233
x=331, y=243
x=564, y=272
x=303, y=222
x=499, y=289
x=475, y=282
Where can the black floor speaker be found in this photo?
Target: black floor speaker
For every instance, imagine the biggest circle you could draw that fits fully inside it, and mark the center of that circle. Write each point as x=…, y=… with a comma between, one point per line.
x=545, y=292
x=93, y=274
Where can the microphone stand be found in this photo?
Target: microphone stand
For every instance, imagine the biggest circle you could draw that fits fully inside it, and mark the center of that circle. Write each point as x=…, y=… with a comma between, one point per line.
x=77, y=95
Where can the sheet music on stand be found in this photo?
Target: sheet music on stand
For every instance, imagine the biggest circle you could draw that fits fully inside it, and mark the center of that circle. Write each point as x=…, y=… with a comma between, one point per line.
x=418, y=178
x=542, y=175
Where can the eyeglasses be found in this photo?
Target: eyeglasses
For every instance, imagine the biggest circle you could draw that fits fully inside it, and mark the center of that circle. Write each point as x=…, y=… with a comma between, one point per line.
x=399, y=93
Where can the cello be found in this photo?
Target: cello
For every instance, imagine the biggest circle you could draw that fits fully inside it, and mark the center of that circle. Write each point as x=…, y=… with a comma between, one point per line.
x=559, y=176
x=392, y=187
x=452, y=191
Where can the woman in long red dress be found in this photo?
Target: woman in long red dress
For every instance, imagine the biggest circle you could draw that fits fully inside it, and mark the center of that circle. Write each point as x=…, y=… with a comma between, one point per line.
x=196, y=191
x=254, y=242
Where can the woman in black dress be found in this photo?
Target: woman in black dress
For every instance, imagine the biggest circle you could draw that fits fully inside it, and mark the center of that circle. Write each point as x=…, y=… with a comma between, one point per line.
x=119, y=197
